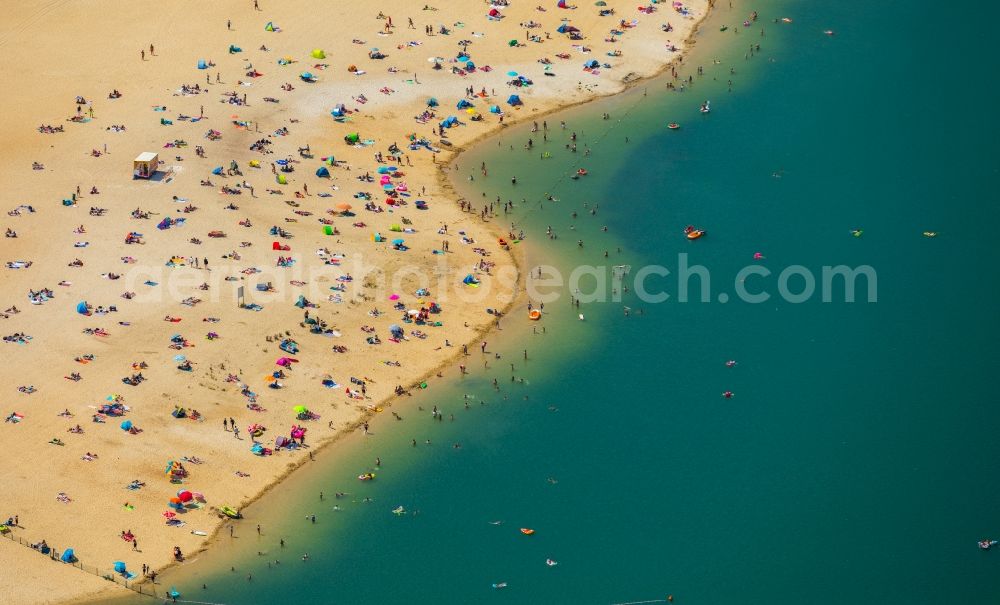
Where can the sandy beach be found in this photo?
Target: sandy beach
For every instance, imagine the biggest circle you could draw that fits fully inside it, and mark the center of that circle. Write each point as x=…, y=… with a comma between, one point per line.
x=295, y=246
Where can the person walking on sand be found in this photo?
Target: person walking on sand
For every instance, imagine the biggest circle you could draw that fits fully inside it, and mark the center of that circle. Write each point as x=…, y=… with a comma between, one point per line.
x=483, y=346
x=142, y=53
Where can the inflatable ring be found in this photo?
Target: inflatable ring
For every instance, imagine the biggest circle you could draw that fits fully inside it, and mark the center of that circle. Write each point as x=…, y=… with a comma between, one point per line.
x=534, y=315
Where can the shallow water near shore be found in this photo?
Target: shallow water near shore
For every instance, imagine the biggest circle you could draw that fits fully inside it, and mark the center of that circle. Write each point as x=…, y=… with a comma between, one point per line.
x=855, y=459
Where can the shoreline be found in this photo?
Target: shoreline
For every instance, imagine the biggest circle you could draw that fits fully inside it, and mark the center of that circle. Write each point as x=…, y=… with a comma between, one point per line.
x=445, y=176
x=442, y=176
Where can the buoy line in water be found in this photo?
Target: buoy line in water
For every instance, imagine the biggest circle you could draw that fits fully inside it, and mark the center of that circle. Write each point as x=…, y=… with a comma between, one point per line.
x=639, y=602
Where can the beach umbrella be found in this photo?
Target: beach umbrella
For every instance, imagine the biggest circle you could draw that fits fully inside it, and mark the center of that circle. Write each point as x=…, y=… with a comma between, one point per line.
x=318, y=53
x=388, y=187
x=127, y=425
x=300, y=409
x=119, y=566
x=170, y=467
x=397, y=242
x=185, y=496
x=169, y=514
x=180, y=358
x=81, y=308
x=343, y=206
x=600, y=3
x=512, y=74
x=394, y=297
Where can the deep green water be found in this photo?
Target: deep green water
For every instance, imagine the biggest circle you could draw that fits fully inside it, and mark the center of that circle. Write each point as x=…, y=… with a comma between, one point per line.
x=859, y=457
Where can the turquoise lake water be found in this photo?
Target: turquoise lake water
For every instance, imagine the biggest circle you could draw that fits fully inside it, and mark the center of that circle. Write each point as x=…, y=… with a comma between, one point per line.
x=858, y=459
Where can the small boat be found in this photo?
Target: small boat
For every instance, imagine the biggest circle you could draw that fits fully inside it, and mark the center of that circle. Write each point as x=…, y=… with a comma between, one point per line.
x=786, y=20
x=706, y=107
x=399, y=510
x=857, y=232
x=581, y=172
x=673, y=126
x=693, y=233
x=580, y=316
x=829, y=32
x=199, y=532
x=930, y=233
x=499, y=585
x=728, y=394
x=527, y=531
x=731, y=363
x=551, y=562
x=723, y=28
x=366, y=476
x=230, y=512
x=534, y=314
x=987, y=544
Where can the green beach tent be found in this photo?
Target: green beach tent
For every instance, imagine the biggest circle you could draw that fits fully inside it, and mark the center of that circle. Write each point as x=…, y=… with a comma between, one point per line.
x=318, y=53
x=282, y=180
